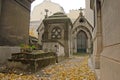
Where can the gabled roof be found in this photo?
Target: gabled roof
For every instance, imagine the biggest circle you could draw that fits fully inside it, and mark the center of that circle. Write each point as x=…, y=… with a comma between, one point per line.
x=58, y=15
x=85, y=20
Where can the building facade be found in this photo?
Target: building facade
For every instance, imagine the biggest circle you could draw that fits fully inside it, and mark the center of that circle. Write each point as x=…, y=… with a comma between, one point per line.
x=107, y=38
x=81, y=35
x=89, y=13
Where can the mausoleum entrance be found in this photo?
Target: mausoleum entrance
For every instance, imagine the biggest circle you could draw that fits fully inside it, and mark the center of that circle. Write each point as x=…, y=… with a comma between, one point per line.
x=81, y=42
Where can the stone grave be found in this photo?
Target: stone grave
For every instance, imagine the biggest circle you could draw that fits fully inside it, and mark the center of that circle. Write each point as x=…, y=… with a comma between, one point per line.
x=35, y=60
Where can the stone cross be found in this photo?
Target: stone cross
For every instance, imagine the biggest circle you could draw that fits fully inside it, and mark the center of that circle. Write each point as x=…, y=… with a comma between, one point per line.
x=81, y=13
x=46, y=10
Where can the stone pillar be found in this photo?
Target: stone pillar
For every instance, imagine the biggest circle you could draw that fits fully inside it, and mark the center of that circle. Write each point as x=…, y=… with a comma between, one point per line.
x=14, y=22
x=88, y=45
x=14, y=26
x=70, y=35
x=97, y=35
x=75, y=40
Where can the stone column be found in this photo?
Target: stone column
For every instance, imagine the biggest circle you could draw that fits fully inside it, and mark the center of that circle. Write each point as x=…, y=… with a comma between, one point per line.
x=88, y=45
x=71, y=45
x=75, y=41
x=97, y=35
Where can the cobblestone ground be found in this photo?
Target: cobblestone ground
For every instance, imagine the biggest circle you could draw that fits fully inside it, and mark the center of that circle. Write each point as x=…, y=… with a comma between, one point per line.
x=71, y=69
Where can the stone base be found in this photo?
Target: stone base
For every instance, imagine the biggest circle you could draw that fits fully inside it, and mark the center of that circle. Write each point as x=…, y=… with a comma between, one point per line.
x=97, y=72
x=6, y=51
x=61, y=58
x=96, y=62
x=34, y=61
x=34, y=65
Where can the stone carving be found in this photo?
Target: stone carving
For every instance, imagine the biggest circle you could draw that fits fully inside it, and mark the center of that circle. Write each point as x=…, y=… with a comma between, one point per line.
x=56, y=33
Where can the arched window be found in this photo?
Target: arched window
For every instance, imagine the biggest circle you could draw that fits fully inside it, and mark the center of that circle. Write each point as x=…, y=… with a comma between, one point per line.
x=81, y=42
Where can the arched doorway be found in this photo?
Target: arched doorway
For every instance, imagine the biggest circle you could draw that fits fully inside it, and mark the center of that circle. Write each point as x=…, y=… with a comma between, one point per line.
x=81, y=42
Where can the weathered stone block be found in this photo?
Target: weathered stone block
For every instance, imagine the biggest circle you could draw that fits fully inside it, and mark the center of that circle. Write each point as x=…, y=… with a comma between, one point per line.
x=34, y=61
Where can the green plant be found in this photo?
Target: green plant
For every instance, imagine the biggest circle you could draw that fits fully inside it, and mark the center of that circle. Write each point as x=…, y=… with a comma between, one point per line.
x=27, y=48
x=32, y=47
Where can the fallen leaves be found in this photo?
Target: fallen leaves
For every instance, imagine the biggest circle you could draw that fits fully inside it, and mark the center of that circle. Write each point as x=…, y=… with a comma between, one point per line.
x=75, y=69
x=71, y=70
x=17, y=77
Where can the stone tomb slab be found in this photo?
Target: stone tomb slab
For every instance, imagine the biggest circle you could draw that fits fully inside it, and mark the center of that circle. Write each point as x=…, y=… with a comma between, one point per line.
x=34, y=61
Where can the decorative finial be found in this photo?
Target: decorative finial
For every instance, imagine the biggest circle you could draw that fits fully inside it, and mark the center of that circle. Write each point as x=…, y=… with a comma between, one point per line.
x=81, y=13
x=46, y=10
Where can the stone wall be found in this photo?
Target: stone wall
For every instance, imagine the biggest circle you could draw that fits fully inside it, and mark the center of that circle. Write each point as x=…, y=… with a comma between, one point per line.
x=54, y=47
x=89, y=13
x=14, y=22
x=110, y=57
x=50, y=47
x=0, y=6
x=6, y=51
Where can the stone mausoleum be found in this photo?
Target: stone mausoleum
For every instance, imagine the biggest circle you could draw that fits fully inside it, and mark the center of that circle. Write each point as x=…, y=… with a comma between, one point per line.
x=56, y=36
x=81, y=35
x=57, y=33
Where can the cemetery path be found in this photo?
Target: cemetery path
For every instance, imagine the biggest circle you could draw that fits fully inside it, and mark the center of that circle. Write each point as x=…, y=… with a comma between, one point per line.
x=75, y=68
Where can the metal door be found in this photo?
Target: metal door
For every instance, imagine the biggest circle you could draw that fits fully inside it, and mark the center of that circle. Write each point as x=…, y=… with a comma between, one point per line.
x=81, y=42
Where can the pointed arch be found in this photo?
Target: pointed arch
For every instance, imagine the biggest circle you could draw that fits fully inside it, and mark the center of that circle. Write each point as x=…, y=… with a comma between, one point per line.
x=84, y=44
